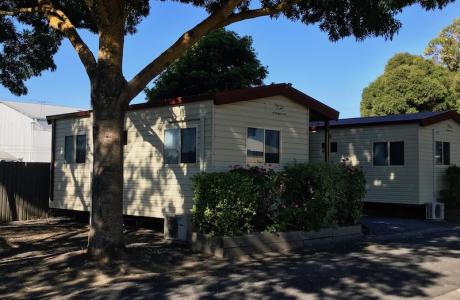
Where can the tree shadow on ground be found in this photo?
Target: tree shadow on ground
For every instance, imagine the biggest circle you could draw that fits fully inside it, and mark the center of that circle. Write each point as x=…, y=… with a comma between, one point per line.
x=48, y=260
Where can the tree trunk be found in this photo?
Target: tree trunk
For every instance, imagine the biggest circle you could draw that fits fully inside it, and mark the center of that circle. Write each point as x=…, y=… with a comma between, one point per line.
x=106, y=221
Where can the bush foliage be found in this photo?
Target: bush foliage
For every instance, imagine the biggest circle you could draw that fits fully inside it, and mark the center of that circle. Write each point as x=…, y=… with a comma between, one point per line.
x=451, y=195
x=301, y=197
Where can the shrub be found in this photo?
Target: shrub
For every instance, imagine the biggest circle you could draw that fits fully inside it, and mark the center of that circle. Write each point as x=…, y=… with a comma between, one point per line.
x=451, y=195
x=301, y=197
x=320, y=195
x=231, y=203
x=349, y=210
x=312, y=198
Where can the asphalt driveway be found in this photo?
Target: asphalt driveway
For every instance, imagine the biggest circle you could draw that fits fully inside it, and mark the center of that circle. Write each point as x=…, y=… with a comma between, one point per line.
x=52, y=264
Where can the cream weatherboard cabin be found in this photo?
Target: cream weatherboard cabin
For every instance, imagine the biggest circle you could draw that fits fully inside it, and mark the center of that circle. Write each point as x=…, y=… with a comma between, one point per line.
x=168, y=142
x=404, y=157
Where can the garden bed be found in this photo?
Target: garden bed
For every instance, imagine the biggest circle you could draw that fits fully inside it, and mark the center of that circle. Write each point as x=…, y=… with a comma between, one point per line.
x=264, y=242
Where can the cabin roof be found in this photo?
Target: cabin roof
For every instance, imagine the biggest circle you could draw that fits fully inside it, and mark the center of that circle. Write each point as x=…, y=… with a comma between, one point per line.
x=319, y=110
x=423, y=118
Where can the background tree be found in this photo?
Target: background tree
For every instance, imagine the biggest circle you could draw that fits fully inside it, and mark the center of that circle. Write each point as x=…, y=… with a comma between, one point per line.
x=445, y=48
x=31, y=30
x=221, y=60
x=410, y=84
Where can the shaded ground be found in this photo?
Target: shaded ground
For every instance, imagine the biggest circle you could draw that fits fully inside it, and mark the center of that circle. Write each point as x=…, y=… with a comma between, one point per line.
x=40, y=259
x=378, y=226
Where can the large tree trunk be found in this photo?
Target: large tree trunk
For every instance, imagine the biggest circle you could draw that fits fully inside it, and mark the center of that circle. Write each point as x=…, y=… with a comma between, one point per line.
x=106, y=232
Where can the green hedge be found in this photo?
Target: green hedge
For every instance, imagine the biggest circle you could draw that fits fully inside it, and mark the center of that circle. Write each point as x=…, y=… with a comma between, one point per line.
x=301, y=197
x=451, y=195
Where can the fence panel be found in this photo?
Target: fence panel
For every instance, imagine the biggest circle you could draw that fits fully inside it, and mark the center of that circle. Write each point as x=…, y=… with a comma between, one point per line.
x=24, y=191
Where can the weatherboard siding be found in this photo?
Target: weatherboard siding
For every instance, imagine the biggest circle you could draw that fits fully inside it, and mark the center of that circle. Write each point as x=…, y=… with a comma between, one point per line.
x=279, y=113
x=385, y=184
x=151, y=188
x=446, y=131
x=72, y=182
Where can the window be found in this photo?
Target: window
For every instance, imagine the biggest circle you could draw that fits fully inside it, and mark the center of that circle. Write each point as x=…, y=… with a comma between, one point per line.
x=381, y=154
x=125, y=138
x=68, y=150
x=272, y=146
x=263, y=146
x=255, y=145
x=180, y=146
x=442, y=156
x=75, y=149
x=333, y=147
x=80, y=156
x=397, y=153
x=446, y=153
x=388, y=153
x=188, y=145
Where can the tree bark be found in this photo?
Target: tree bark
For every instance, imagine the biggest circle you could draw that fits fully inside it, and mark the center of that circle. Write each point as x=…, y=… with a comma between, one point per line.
x=109, y=109
x=106, y=221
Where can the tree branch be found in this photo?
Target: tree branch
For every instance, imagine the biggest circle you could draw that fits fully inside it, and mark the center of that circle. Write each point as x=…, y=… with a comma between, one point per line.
x=59, y=21
x=254, y=13
x=17, y=11
x=214, y=21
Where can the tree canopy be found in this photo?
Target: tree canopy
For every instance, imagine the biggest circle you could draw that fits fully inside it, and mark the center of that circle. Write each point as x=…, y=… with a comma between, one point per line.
x=31, y=39
x=221, y=60
x=445, y=48
x=410, y=84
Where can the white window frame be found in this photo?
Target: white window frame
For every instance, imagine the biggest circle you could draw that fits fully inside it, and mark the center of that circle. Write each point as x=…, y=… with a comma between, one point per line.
x=264, y=129
x=197, y=148
x=389, y=153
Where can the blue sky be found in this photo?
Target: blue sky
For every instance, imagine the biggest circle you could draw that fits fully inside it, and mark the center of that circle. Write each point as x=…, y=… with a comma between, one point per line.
x=334, y=73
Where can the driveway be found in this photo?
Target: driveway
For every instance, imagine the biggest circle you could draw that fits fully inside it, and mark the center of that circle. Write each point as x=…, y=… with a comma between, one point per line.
x=384, y=227
x=420, y=267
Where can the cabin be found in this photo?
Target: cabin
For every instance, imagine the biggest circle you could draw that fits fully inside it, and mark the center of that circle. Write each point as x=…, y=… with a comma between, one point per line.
x=169, y=141
x=404, y=157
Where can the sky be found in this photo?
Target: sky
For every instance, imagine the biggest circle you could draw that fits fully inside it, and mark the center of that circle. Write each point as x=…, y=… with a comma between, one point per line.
x=334, y=73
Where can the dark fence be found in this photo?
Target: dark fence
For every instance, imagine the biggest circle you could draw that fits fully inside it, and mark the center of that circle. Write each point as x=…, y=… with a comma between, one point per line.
x=24, y=191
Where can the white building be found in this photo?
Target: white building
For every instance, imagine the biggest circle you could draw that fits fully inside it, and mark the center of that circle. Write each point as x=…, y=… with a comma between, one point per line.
x=24, y=133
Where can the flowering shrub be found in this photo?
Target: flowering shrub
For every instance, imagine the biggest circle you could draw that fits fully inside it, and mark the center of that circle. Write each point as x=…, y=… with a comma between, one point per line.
x=301, y=197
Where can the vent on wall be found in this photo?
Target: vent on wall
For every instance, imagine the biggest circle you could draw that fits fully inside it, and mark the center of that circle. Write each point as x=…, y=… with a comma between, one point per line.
x=435, y=211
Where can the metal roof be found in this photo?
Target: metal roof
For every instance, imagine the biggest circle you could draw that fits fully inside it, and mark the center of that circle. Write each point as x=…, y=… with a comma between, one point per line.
x=319, y=110
x=39, y=111
x=423, y=118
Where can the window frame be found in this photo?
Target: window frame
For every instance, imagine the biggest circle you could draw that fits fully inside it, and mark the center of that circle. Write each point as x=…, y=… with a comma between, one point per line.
x=388, y=159
x=74, y=148
x=264, y=145
x=197, y=145
x=443, y=160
